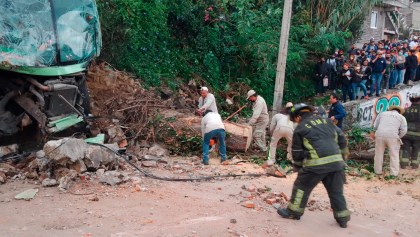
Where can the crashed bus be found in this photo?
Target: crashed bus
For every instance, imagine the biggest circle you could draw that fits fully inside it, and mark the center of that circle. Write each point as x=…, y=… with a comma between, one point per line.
x=46, y=47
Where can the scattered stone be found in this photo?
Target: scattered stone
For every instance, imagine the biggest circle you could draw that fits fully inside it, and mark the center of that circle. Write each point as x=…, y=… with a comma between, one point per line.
x=6, y=150
x=100, y=172
x=149, y=163
x=65, y=150
x=93, y=198
x=65, y=181
x=400, y=193
x=251, y=188
x=135, y=180
x=157, y=150
x=99, y=157
x=27, y=195
x=3, y=178
x=7, y=169
x=270, y=201
x=49, y=182
x=115, y=133
x=276, y=205
x=113, y=177
x=248, y=204
x=137, y=188
x=233, y=221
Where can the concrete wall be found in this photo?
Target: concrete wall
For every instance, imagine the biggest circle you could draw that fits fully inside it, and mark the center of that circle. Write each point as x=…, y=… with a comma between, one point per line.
x=363, y=112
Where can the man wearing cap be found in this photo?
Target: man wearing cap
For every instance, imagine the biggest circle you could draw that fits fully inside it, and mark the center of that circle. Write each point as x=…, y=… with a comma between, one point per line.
x=212, y=127
x=281, y=126
x=389, y=127
x=206, y=101
x=317, y=155
x=259, y=119
x=411, y=141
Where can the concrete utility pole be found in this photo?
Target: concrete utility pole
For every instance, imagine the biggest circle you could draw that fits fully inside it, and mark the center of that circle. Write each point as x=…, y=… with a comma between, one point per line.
x=282, y=56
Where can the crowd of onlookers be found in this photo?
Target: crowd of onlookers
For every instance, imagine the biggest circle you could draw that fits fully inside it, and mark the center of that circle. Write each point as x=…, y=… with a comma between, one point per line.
x=372, y=69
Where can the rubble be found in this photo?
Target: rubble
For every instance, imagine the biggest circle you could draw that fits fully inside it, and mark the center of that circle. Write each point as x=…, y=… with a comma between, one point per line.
x=6, y=150
x=49, y=182
x=113, y=177
x=3, y=178
x=158, y=151
x=27, y=195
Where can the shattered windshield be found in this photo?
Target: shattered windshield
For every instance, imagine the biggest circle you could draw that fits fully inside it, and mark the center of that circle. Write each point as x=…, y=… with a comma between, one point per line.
x=44, y=33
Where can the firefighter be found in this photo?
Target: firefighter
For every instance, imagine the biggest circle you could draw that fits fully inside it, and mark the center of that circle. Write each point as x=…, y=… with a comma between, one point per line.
x=317, y=156
x=411, y=141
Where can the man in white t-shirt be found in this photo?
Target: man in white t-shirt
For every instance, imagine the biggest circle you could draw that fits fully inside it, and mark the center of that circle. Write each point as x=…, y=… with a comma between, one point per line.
x=206, y=101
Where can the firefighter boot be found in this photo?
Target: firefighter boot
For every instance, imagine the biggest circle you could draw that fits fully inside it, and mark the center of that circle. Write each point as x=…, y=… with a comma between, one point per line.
x=285, y=213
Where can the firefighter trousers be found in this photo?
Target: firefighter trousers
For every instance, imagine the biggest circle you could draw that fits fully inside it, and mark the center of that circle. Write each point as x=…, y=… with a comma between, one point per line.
x=333, y=183
x=410, y=152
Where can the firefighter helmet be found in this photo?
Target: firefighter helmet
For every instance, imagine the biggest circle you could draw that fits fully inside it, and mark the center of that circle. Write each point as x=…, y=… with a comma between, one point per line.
x=298, y=109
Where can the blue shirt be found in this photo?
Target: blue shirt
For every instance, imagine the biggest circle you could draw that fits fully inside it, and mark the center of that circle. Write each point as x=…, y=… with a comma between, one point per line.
x=378, y=66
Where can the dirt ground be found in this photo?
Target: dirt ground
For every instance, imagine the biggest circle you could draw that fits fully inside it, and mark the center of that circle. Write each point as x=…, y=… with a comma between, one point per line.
x=148, y=207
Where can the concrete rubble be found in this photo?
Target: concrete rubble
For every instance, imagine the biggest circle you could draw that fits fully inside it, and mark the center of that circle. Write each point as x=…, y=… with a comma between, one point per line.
x=6, y=150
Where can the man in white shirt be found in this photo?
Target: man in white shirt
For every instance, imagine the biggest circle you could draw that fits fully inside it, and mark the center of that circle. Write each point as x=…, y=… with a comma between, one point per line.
x=206, y=101
x=281, y=126
x=390, y=127
x=259, y=119
x=212, y=127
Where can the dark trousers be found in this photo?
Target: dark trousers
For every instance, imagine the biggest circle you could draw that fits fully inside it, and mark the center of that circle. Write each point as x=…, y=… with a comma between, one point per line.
x=220, y=135
x=319, y=85
x=347, y=90
x=332, y=80
x=410, y=151
x=417, y=74
x=306, y=182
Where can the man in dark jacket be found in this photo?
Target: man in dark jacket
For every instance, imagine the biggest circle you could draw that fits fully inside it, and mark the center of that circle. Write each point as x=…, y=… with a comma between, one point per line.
x=346, y=76
x=411, y=141
x=378, y=65
x=321, y=71
x=317, y=147
x=411, y=66
x=337, y=111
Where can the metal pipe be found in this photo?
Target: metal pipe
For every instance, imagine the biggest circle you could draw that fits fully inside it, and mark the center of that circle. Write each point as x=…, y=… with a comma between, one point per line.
x=5, y=100
x=38, y=95
x=37, y=83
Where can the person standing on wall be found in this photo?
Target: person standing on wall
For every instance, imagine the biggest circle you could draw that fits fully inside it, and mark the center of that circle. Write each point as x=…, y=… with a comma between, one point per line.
x=259, y=119
x=378, y=65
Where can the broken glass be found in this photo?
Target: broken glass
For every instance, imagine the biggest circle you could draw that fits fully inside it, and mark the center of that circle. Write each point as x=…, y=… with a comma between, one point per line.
x=44, y=33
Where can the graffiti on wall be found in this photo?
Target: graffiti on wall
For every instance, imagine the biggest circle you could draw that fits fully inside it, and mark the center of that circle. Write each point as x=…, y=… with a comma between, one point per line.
x=368, y=110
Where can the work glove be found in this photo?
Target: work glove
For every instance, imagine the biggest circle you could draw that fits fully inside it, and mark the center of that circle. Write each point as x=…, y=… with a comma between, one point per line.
x=345, y=153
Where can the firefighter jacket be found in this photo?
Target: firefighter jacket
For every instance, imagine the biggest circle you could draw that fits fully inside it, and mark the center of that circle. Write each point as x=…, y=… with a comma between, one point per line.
x=412, y=115
x=317, y=145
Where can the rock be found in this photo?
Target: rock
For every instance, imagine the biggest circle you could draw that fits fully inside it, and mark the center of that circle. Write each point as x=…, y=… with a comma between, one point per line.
x=248, y=204
x=93, y=198
x=276, y=205
x=400, y=193
x=32, y=175
x=27, y=195
x=66, y=150
x=79, y=166
x=115, y=134
x=233, y=221
x=149, y=163
x=3, y=178
x=137, y=188
x=113, y=178
x=6, y=150
x=65, y=181
x=100, y=172
x=251, y=188
x=8, y=170
x=97, y=156
x=49, y=182
x=158, y=151
x=270, y=201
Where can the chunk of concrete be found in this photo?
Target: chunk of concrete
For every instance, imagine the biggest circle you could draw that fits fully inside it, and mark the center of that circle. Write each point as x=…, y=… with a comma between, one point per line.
x=49, y=182
x=97, y=156
x=157, y=150
x=65, y=150
x=27, y=195
x=113, y=177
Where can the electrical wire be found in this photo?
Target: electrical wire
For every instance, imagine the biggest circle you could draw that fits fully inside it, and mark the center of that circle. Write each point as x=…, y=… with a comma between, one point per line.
x=149, y=175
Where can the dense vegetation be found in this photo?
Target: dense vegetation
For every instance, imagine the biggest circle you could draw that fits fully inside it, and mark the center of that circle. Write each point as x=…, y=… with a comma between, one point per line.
x=226, y=41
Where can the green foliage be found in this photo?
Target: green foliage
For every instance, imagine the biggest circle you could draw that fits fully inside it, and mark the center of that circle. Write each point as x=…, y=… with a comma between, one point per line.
x=357, y=137
x=226, y=41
